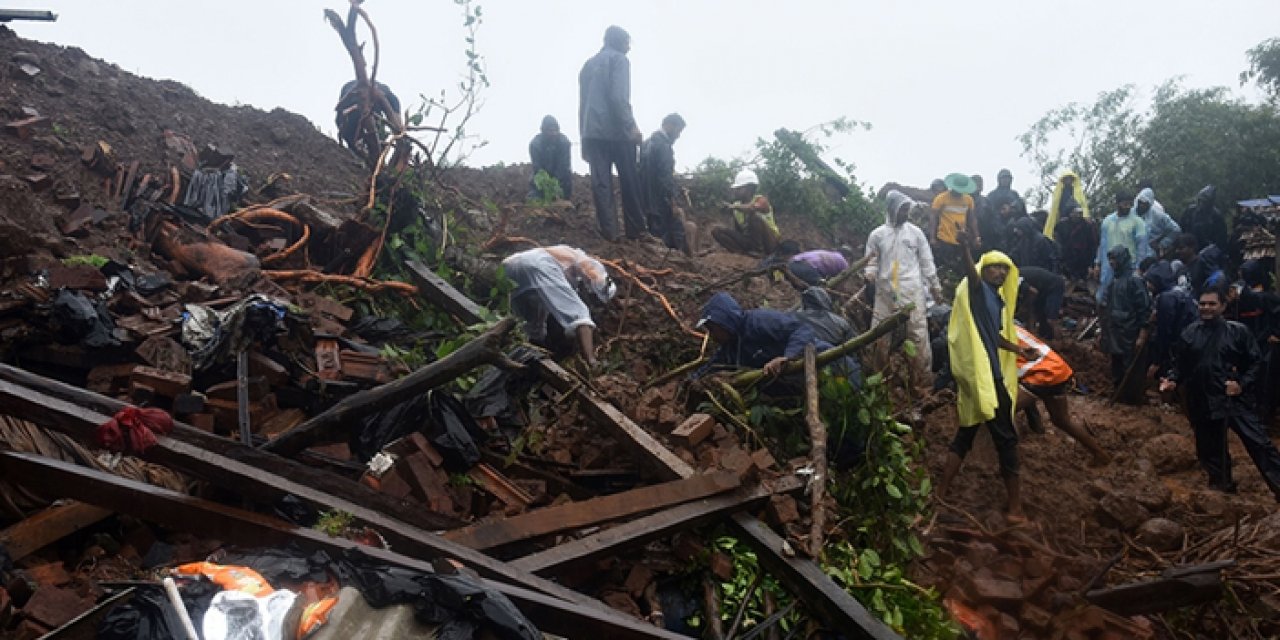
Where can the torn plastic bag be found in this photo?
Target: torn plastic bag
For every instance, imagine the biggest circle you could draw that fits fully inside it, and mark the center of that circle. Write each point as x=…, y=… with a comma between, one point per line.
x=77, y=320
x=459, y=604
x=437, y=415
x=380, y=331
x=214, y=191
x=148, y=615
x=235, y=615
x=214, y=337
x=491, y=396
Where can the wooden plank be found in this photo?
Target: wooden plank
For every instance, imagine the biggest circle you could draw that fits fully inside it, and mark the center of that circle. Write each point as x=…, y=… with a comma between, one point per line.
x=49, y=526
x=576, y=515
x=652, y=527
x=801, y=576
x=263, y=485
x=247, y=528
x=439, y=292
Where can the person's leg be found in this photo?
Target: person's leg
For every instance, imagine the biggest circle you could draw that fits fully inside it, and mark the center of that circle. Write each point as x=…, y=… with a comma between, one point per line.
x=1119, y=363
x=960, y=446
x=1052, y=313
x=731, y=240
x=1260, y=448
x=1060, y=415
x=1006, y=441
x=1211, y=450
x=1027, y=404
x=882, y=308
x=624, y=156
x=528, y=307
x=918, y=333
x=673, y=234
x=598, y=159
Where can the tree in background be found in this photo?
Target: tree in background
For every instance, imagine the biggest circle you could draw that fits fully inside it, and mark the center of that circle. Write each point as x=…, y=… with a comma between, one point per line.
x=1264, y=68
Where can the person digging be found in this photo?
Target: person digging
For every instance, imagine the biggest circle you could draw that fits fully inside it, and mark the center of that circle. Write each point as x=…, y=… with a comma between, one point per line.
x=1047, y=378
x=982, y=341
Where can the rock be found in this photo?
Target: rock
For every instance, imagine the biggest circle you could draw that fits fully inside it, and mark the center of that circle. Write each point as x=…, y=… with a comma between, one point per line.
x=1161, y=534
x=1170, y=452
x=782, y=510
x=1035, y=617
x=1153, y=496
x=981, y=554
x=1122, y=510
x=996, y=591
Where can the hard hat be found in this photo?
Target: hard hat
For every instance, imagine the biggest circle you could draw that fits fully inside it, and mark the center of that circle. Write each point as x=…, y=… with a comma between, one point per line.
x=744, y=178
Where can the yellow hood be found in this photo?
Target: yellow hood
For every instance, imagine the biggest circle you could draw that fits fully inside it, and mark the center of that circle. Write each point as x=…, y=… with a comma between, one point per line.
x=1077, y=191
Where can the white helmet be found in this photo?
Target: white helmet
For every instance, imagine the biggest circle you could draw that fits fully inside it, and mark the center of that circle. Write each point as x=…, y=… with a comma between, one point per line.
x=744, y=178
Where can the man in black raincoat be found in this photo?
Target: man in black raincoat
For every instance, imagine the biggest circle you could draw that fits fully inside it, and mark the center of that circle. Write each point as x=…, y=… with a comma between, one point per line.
x=1004, y=206
x=819, y=315
x=1127, y=311
x=1028, y=246
x=658, y=183
x=1203, y=220
x=1219, y=362
x=1175, y=310
x=1258, y=309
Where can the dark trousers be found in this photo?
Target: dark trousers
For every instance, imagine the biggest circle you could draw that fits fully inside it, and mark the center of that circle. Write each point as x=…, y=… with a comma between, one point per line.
x=1002, y=434
x=757, y=238
x=663, y=222
x=603, y=156
x=1215, y=458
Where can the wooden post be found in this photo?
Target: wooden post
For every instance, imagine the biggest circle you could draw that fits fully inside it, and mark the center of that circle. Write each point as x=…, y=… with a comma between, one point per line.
x=817, y=455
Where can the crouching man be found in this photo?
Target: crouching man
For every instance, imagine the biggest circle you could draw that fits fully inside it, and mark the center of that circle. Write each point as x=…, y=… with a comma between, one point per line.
x=554, y=283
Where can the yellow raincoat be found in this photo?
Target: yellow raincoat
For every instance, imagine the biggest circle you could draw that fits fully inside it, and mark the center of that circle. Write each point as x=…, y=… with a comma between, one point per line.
x=977, y=399
x=1078, y=192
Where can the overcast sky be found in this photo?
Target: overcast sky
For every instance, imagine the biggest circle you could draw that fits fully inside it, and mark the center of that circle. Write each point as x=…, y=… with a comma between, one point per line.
x=946, y=85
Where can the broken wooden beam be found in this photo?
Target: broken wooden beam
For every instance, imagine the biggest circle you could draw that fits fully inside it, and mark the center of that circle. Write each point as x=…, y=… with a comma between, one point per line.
x=237, y=526
x=652, y=527
x=817, y=453
x=342, y=417
x=576, y=515
x=49, y=526
x=439, y=292
x=804, y=578
x=1176, y=587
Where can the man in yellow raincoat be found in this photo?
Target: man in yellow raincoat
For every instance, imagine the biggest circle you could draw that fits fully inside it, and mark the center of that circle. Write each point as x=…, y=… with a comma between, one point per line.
x=1067, y=195
x=983, y=343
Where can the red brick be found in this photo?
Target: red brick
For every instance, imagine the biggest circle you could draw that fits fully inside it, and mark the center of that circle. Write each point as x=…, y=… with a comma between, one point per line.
x=721, y=566
x=188, y=403
x=109, y=378
x=52, y=574
x=166, y=383
x=71, y=200
x=22, y=128
x=763, y=459
x=364, y=366
x=43, y=161
x=226, y=413
x=202, y=421
x=996, y=591
x=54, y=607
x=38, y=181
x=638, y=579
x=82, y=277
x=782, y=509
x=229, y=390
x=77, y=224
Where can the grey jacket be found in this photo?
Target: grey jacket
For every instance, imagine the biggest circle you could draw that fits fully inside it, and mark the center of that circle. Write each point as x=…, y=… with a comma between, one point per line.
x=604, y=97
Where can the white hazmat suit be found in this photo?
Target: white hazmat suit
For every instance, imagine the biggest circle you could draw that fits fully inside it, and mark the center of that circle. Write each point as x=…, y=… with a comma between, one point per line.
x=902, y=268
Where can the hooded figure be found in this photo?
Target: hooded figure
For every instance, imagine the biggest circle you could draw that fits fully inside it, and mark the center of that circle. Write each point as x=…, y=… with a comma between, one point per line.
x=1028, y=247
x=550, y=151
x=1175, y=309
x=1121, y=228
x=995, y=232
x=1128, y=309
x=1161, y=228
x=818, y=313
x=1203, y=220
x=1064, y=200
x=902, y=268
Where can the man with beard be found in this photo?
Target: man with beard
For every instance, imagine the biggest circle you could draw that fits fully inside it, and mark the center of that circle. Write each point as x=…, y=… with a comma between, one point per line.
x=1218, y=362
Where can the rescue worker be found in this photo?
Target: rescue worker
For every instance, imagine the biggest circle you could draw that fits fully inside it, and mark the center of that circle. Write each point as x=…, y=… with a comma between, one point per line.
x=1078, y=238
x=1068, y=194
x=954, y=213
x=1120, y=228
x=1258, y=309
x=1006, y=205
x=818, y=312
x=551, y=151
x=1126, y=313
x=1162, y=230
x=982, y=341
x=348, y=111
x=553, y=283
x=658, y=181
x=901, y=267
x=1201, y=269
x=1028, y=247
x=610, y=136
x=1218, y=363
x=816, y=265
x=754, y=230
x=1175, y=310
x=1044, y=291
x=1048, y=378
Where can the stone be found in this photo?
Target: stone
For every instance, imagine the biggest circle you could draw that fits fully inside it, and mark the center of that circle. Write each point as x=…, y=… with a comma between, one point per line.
x=1153, y=496
x=1122, y=510
x=782, y=509
x=54, y=607
x=1170, y=453
x=996, y=591
x=694, y=429
x=1035, y=617
x=1161, y=534
x=981, y=554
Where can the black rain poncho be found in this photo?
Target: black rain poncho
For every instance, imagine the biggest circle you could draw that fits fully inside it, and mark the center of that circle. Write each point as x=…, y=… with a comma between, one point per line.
x=1128, y=307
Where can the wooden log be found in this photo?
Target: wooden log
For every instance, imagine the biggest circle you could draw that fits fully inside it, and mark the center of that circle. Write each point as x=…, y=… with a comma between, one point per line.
x=49, y=526
x=748, y=378
x=711, y=610
x=236, y=526
x=643, y=530
x=801, y=576
x=439, y=292
x=346, y=414
x=817, y=455
x=576, y=515
x=1177, y=587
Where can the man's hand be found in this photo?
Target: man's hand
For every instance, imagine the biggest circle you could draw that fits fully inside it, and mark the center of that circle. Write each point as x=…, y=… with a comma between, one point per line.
x=772, y=368
x=962, y=237
x=1233, y=388
x=1030, y=353
x=1167, y=385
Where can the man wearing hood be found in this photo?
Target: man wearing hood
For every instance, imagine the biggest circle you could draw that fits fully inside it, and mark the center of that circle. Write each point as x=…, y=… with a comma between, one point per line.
x=1203, y=220
x=610, y=135
x=1175, y=309
x=819, y=313
x=550, y=151
x=1218, y=363
x=553, y=282
x=1161, y=228
x=1028, y=247
x=902, y=268
x=1120, y=229
x=1078, y=239
x=1004, y=205
x=1201, y=269
x=657, y=174
x=759, y=338
x=1068, y=194
x=983, y=344
x=1125, y=316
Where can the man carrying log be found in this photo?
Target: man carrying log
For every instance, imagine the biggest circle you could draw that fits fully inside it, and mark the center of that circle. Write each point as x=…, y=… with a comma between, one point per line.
x=1218, y=361
x=553, y=283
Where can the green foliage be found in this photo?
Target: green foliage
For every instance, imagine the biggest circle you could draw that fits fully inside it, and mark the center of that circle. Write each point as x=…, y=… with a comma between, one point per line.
x=548, y=188
x=451, y=110
x=1264, y=67
x=737, y=592
x=89, y=260
x=709, y=183
x=334, y=523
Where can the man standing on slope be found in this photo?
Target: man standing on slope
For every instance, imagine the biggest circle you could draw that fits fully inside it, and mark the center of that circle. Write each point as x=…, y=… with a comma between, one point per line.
x=1121, y=228
x=610, y=135
x=657, y=175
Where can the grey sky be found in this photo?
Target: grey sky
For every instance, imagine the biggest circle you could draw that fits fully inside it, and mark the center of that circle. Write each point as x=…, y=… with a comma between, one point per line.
x=946, y=85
